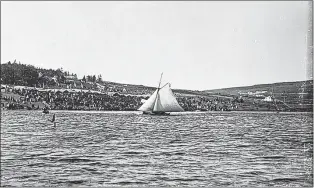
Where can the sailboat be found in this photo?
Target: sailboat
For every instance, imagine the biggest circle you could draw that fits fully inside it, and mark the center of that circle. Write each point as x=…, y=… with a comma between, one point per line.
x=161, y=102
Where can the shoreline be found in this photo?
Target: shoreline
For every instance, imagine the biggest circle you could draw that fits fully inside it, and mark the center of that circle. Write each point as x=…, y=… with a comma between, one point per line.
x=140, y=112
x=21, y=99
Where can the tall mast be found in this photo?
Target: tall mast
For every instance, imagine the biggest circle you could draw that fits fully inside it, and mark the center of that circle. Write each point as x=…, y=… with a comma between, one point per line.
x=160, y=81
x=157, y=91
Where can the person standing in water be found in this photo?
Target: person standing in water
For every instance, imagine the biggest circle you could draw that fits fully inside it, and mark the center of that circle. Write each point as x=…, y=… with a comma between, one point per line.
x=53, y=119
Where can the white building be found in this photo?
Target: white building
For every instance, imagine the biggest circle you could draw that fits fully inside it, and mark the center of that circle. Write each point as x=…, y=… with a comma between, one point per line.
x=71, y=77
x=268, y=99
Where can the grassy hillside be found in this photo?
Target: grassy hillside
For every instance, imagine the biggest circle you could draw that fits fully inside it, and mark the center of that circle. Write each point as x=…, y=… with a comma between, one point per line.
x=28, y=75
x=289, y=87
x=298, y=95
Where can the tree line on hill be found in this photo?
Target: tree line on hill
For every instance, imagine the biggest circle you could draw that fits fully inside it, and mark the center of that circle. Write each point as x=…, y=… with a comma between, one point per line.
x=92, y=78
x=18, y=74
x=29, y=75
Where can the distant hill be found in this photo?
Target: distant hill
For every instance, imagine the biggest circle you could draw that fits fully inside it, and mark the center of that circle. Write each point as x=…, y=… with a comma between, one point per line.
x=280, y=87
x=294, y=94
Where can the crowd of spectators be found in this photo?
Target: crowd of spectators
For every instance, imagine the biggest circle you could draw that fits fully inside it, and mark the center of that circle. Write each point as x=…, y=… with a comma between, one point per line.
x=11, y=103
x=104, y=87
x=206, y=104
x=75, y=100
x=58, y=100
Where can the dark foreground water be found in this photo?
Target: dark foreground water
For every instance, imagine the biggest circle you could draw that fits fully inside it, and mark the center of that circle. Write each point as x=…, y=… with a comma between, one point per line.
x=128, y=149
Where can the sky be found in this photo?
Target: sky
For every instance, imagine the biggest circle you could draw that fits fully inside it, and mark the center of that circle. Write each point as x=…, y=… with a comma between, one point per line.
x=197, y=45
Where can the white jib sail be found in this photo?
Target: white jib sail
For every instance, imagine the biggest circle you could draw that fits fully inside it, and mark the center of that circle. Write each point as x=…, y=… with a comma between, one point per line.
x=149, y=104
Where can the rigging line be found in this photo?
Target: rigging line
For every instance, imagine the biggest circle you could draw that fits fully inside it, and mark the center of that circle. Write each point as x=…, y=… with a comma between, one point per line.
x=164, y=85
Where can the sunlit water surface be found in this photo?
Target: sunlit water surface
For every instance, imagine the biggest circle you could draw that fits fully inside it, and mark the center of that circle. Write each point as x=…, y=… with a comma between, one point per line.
x=129, y=149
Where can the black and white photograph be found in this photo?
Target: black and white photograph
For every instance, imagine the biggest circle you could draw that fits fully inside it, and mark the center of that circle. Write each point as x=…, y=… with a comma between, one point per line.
x=156, y=93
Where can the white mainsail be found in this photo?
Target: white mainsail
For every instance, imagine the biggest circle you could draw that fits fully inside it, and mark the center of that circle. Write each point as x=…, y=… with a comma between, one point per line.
x=168, y=101
x=162, y=101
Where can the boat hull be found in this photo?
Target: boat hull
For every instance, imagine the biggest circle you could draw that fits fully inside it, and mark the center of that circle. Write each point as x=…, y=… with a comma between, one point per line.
x=157, y=113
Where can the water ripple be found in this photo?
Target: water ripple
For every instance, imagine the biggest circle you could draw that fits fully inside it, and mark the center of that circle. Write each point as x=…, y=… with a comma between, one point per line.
x=128, y=149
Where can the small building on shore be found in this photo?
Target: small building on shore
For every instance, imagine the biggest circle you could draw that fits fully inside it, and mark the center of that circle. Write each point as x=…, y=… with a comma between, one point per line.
x=71, y=77
x=268, y=99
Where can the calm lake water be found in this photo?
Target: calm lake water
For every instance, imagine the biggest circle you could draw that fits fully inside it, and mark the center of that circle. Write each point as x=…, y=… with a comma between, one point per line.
x=129, y=149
